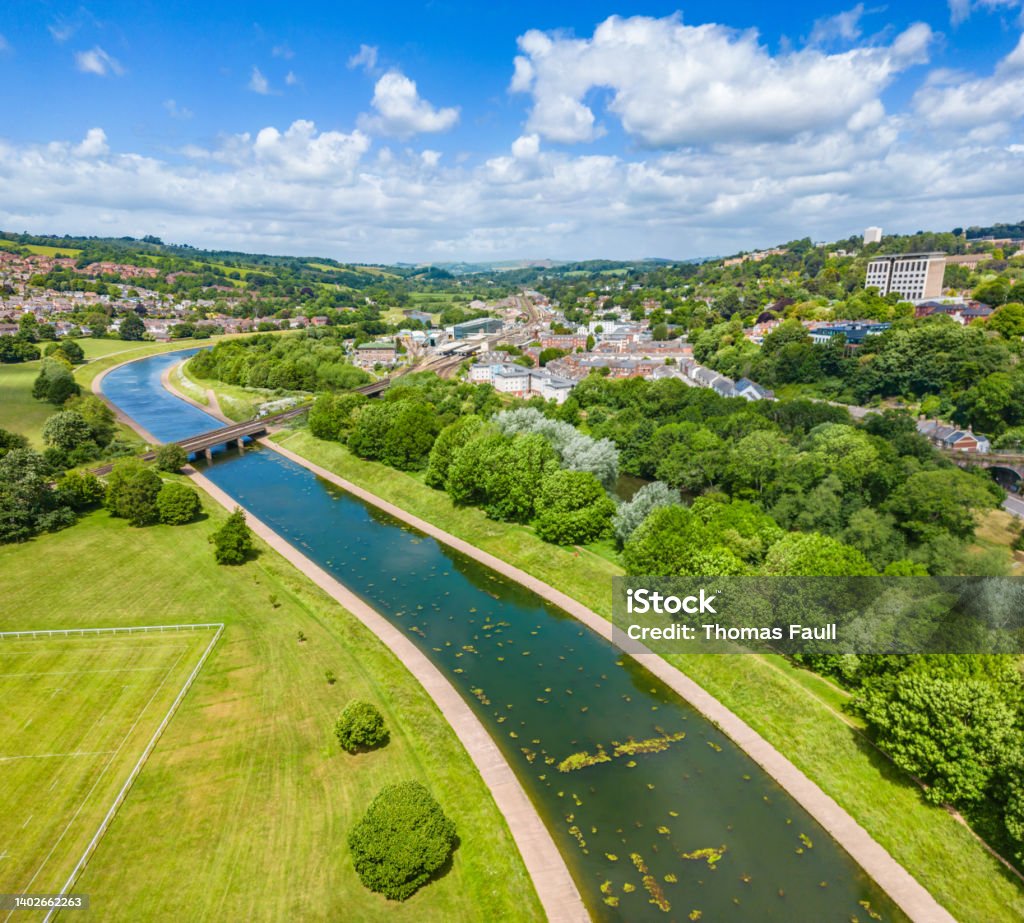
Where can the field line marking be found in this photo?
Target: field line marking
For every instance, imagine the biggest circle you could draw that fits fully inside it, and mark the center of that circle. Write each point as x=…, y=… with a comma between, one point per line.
x=99, y=778
x=46, y=756
x=136, y=769
x=81, y=672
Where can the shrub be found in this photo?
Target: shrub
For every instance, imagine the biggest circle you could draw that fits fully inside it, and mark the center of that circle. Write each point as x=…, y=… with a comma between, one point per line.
x=360, y=727
x=177, y=503
x=403, y=838
x=232, y=542
x=81, y=489
x=171, y=457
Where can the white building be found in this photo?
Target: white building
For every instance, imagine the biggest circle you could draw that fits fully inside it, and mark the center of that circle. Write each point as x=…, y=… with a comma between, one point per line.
x=915, y=276
x=872, y=236
x=522, y=382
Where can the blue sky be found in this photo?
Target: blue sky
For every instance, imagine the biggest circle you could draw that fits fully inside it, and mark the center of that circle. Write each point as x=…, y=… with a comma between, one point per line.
x=452, y=130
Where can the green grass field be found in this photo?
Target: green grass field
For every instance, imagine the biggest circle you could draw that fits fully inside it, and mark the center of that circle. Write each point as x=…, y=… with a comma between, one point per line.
x=22, y=413
x=796, y=710
x=19, y=411
x=242, y=810
x=39, y=249
x=78, y=714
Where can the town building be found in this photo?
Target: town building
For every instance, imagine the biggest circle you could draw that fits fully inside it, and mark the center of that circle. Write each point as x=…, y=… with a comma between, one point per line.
x=872, y=236
x=370, y=354
x=915, y=276
x=953, y=438
x=522, y=382
x=469, y=328
x=854, y=331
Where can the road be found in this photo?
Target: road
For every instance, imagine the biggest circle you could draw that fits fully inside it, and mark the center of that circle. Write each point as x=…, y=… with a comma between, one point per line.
x=1014, y=504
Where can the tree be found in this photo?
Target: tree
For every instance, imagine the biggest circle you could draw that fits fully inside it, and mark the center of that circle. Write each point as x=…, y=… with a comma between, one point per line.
x=232, y=542
x=929, y=503
x=401, y=841
x=132, y=491
x=55, y=383
x=950, y=732
x=360, y=727
x=410, y=436
x=171, y=457
x=695, y=461
x=66, y=430
x=808, y=554
x=9, y=441
x=81, y=489
x=16, y=349
x=573, y=508
x=549, y=355
x=97, y=414
x=332, y=414
x=648, y=498
x=177, y=503
x=449, y=441
x=1008, y=321
x=27, y=504
x=69, y=349
x=132, y=327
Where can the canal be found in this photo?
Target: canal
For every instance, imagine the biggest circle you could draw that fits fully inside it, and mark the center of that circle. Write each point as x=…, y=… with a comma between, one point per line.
x=658, y=814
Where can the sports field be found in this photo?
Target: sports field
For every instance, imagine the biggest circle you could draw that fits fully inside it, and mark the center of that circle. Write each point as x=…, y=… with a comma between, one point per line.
x=78, y=715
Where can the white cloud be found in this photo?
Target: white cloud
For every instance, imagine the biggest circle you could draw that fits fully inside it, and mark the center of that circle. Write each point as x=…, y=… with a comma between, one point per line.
x=366, y=58
x=94, y=144
x=62, y=30
x=960, y=10
x=4, y=44
x=97, y=61
x=175, y=111
x=951, y=101
x=526, y=146
x=671, y=84
x=843, y=26
x=282, y=51
x=258, y=83
x=300, y=190
x=291, y=80
x=402, y=112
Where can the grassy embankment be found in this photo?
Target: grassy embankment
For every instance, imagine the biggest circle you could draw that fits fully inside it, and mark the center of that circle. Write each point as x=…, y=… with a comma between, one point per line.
x=243, y=808
x=798, y=712
x=236, y=403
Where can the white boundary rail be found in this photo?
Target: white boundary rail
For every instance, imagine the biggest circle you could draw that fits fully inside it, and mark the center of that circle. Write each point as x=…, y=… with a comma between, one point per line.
x=114, y=630
x=137, y=768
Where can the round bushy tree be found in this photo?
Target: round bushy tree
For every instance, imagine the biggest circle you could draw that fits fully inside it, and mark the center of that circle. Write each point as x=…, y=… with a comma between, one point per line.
x=177, y=503
x=66, y=430
x=171, y=457
x=573, y=508
x=132, y=489
x=232, y=542
x=360, y=727
x=403, y=838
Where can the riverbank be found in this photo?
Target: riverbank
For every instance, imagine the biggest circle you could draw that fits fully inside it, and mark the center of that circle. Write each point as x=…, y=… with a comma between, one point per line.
x=944, y=855
x=243, y=808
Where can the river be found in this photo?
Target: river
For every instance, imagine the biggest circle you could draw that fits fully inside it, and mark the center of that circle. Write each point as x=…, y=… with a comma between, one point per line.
x=712, y=833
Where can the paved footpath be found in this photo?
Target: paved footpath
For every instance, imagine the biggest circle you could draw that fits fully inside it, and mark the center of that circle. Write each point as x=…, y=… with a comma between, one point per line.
x=556, y=889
